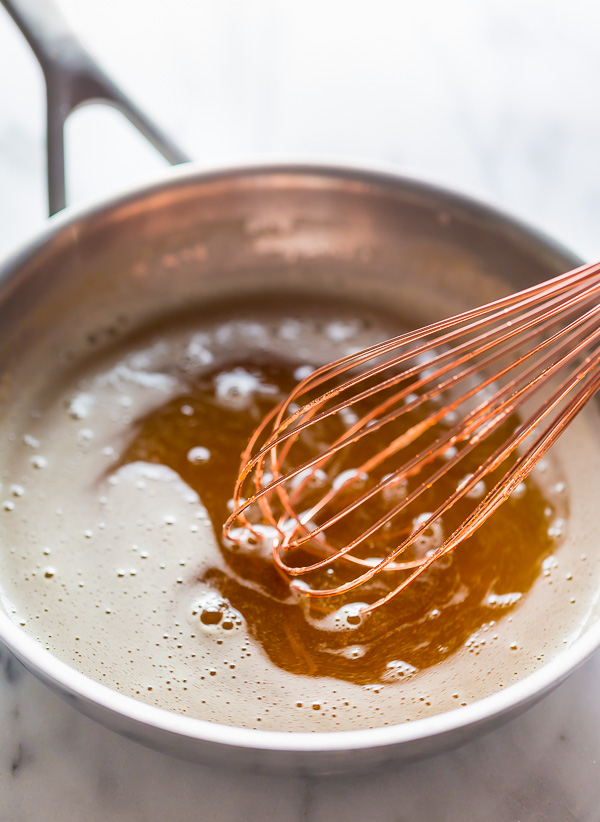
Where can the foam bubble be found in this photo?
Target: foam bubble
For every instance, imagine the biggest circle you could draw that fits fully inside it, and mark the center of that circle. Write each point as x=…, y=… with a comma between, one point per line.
x=398, y=669
x=80, y=406
x=197, y=351
x=502, y=600
x=213, y=614
x=351, y=477
x=340, y=331
x=348, y=416
x=346, y=618
x=302, y=372
x=198, y=455
x=396, y=489
x=156, y=380
x=353, y=651
x=259, y=541
x=519, y=491
x=431, y=538
x=476, y=492
x=237, y=388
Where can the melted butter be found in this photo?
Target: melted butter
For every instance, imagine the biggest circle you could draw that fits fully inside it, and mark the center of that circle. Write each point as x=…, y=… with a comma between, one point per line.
x=482, y=580
x=116, y=477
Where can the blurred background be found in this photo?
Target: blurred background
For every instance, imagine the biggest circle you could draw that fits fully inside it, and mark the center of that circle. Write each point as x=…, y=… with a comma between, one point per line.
x=496, y=99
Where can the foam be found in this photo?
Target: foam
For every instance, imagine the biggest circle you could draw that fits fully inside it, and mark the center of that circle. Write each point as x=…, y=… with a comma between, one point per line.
x=102, y=563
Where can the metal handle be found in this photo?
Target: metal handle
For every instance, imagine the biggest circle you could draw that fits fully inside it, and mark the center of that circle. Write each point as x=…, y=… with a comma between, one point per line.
x=73, y=78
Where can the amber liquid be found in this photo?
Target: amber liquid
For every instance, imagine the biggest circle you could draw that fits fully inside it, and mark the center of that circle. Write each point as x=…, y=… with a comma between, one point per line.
x=424, y=625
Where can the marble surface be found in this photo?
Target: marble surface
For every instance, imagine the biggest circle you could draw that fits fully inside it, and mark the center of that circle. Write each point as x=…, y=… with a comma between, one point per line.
x=57, y=765
x=496, y=99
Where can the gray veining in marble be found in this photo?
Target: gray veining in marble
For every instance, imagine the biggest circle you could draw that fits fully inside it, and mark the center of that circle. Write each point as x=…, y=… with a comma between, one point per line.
x=497, y=99
x=56, y=764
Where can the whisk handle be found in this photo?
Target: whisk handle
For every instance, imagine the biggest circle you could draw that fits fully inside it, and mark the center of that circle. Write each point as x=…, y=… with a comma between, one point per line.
x=73, y=78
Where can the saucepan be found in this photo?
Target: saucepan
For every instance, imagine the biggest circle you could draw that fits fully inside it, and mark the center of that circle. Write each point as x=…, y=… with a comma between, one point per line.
x=194, y=234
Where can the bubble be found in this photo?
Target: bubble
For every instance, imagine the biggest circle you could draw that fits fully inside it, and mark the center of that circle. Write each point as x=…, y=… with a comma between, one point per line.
x=346, y=618
x=340, y=331
x=476, y=492
x=351, y=476
x=17, y=490
x=431, y=538
x=266, y=479
x=396, y=489
x=557, y=529
x=314, y=478
x=136, y=375
x=289, y=330
x=80, y=406
x=38, y=461
x=352, y=651
x=519, y=491
x=8, y=505
x=348, y=417
x=198, y=455
x=302, y=372
x=398, y=669
x=237, y=388
x=502, y=600
x=196, y=351
x=215, y=615
x=260, y=540
x=32, y=442
x=49, y=572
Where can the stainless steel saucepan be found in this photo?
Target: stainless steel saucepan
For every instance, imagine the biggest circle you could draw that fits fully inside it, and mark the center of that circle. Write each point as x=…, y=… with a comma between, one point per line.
x=192, y=236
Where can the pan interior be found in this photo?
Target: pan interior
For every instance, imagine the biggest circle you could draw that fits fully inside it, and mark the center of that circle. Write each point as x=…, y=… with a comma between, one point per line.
x=125, y=302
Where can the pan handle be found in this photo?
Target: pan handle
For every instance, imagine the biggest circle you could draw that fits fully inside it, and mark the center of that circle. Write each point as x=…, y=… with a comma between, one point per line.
x=73, y=78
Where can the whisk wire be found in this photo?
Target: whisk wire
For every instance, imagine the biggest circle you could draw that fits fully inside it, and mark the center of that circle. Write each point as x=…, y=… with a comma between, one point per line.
x=498, y=356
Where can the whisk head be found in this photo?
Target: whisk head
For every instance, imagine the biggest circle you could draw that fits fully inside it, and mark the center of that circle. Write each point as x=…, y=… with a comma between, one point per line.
x=355, y=473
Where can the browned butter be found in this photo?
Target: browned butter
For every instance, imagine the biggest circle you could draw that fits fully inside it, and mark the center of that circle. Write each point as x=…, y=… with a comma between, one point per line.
x=117, y=479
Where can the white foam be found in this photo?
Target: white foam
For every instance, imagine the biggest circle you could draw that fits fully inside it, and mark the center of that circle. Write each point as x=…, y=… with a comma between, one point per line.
x=213, y=614
x=430, y=539
x=346, y=618
x=80, y=406
x=398, y=669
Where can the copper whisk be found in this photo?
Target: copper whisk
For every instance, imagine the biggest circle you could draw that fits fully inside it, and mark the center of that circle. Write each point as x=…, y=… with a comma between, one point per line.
x=531, y=358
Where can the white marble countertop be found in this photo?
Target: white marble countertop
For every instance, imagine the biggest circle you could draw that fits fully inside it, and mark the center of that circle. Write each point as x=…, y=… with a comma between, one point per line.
x=496, y=99
x=57, y=765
